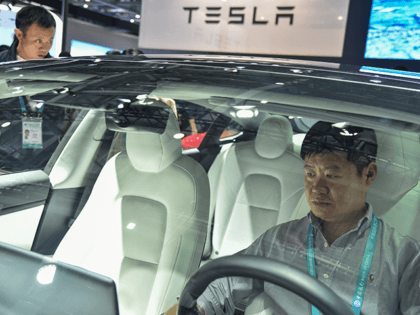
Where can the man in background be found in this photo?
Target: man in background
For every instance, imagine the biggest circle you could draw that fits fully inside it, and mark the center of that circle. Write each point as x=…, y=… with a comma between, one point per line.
x=34, y=35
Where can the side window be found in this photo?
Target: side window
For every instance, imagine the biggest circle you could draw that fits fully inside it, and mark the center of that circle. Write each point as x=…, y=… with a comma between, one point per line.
x=194, y=122
x=232, y=131
x=118, y=144
x=301, y=124
x=30, y=147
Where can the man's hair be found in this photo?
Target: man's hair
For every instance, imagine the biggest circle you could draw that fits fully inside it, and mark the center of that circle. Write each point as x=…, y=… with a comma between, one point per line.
x=132, y=52
x=33, y=14
x=64, y=54
x=359, y=144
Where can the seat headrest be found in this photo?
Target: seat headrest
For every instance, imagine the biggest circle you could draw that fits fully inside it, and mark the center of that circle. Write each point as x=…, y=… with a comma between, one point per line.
x=152, y=152
x=398, y=164
x=274, y=137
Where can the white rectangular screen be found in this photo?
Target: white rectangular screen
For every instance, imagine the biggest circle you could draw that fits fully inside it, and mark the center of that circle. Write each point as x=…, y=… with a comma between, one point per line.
x=289, y=27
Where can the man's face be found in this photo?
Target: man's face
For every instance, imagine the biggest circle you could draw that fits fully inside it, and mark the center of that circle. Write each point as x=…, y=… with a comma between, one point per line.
x=36, y=43
x=334, y=190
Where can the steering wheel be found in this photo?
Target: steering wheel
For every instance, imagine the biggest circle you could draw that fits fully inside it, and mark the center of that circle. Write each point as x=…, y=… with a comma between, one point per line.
x=283, y=275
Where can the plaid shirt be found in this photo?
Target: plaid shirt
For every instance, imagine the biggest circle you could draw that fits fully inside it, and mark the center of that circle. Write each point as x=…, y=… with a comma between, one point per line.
x=394, y=277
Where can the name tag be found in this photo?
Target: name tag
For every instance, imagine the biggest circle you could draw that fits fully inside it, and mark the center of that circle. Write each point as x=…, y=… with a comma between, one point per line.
x=31, y=133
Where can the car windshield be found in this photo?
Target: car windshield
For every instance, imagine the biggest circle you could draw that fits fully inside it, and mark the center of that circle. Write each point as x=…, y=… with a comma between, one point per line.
x=142, y=169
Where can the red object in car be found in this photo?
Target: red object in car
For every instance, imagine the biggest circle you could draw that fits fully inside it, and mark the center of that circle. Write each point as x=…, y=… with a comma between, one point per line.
x=193, y=141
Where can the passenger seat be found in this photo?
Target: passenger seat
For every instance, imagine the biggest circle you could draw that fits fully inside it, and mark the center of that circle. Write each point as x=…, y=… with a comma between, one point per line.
x=260, y=184
x=145, y=222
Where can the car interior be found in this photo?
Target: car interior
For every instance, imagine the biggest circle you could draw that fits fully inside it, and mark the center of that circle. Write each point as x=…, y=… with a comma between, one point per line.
x=242, y=190
x=197, y=204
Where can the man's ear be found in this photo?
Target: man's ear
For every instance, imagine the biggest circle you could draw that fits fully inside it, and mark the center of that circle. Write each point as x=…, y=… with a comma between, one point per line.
x=370, y=172
x=19, y=34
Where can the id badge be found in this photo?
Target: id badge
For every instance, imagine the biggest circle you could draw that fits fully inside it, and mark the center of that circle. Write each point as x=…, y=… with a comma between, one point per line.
x=31, y=133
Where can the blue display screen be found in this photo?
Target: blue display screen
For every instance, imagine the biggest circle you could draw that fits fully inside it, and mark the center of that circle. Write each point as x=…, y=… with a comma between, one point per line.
x=7, y=27
x=394, y=30
x=391, y=72
x=79, y=48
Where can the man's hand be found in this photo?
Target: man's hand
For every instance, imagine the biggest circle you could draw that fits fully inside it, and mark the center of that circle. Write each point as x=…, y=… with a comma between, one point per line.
x=173, y=310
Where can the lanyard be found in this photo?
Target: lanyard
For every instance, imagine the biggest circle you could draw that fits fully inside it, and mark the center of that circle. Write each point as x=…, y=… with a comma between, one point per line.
x=23, y=107
x=364, y=269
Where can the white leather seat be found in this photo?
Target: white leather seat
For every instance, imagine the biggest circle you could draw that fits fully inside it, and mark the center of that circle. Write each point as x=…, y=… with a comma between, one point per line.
x=145, y=222
x=263, y=304
x=259, y=186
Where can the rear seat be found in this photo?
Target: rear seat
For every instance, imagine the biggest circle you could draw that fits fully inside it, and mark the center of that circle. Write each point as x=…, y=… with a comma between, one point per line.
x=254, y=185
x=393, y=195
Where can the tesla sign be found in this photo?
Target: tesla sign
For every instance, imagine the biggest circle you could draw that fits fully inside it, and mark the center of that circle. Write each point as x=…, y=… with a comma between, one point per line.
x=284, y=27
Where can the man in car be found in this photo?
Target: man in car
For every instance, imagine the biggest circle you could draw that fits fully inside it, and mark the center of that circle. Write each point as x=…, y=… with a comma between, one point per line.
x=34, y=35
x=369, y=264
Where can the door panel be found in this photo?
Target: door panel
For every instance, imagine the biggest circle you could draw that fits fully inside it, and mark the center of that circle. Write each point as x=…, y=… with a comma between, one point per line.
x=22, y=199
x=22, y=190
x=19, y=228
x=59, y=211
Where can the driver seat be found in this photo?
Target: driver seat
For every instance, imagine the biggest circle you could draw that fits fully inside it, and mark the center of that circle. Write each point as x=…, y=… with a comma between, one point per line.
x=398, y=173
x=144, y=225
x=259, y=186
x=262, y=304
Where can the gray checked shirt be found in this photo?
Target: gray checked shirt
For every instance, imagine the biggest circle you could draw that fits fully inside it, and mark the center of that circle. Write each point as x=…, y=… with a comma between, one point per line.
x=393, y=286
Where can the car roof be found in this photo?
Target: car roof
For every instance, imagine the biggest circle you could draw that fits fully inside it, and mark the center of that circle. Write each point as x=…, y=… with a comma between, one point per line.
x=221, y=83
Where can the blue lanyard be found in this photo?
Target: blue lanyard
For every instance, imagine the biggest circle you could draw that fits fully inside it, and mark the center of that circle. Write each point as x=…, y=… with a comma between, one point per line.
x=364, y=270
x=23, y=106
x=310, y=259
